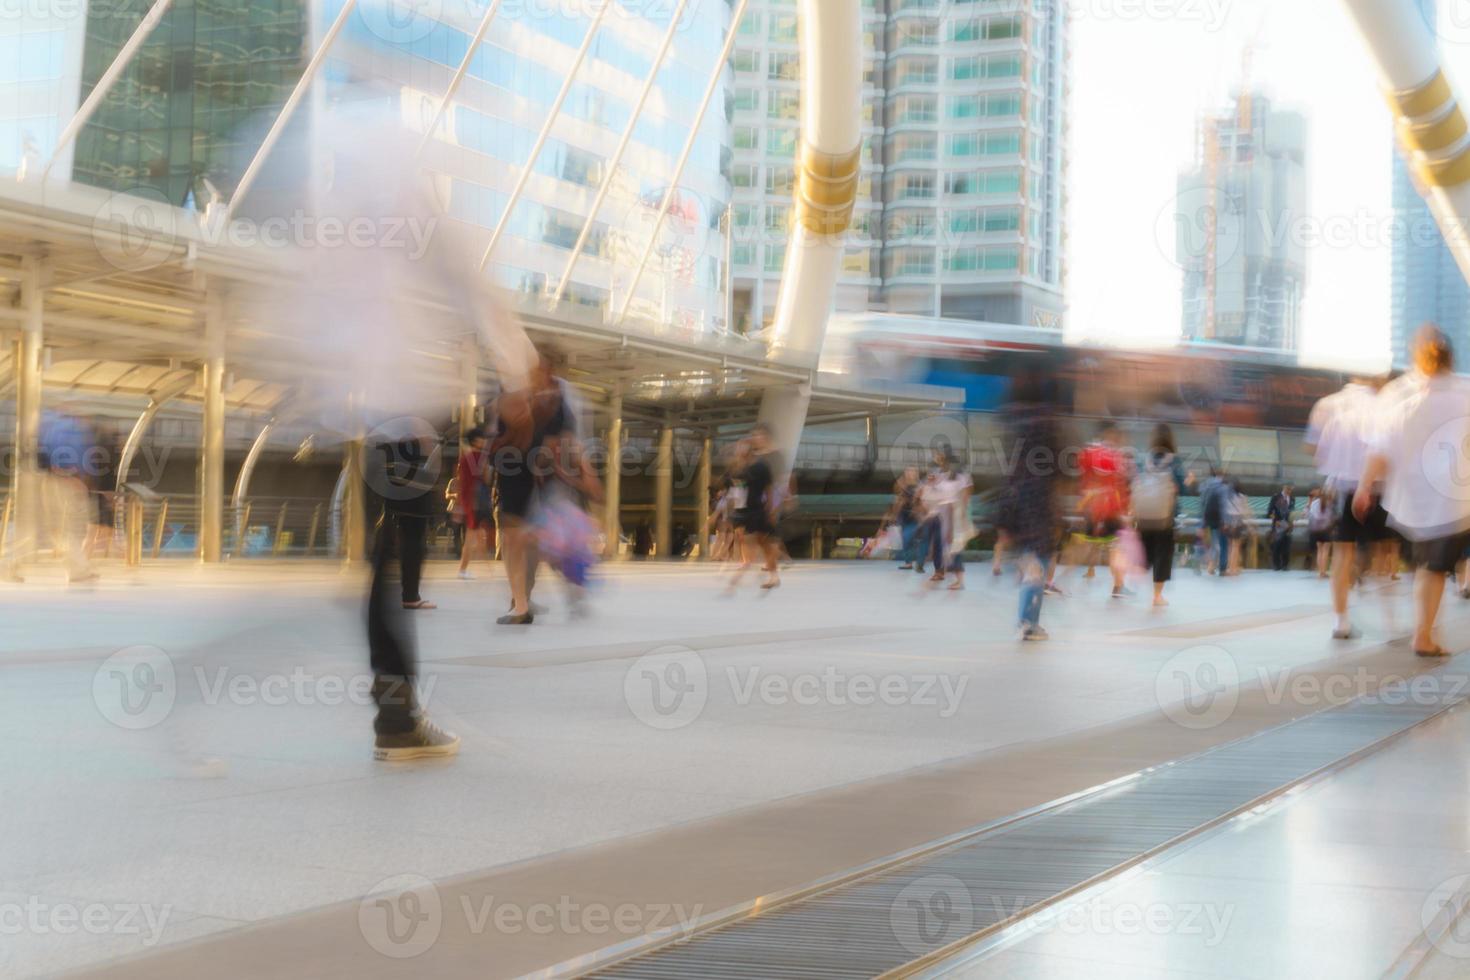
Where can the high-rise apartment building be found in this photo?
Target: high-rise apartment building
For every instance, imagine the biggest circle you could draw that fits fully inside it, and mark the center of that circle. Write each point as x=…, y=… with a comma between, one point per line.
x=1239, y=222
x=1427, y=282
x=961, y=204
x=189, y=112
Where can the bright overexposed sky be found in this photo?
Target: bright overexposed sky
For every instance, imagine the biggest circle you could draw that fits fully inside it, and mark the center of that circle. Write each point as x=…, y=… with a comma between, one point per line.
x=1142, y=72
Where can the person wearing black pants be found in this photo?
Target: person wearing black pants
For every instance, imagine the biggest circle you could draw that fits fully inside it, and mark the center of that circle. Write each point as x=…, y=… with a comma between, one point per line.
x=398, y=483
x=1279, y=513
x=412, y=531
x=1156, y=506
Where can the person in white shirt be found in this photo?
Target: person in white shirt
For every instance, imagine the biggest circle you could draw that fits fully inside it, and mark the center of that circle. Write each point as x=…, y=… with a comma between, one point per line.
x=947, y=498
x=1419, y=452
x=1339, y=430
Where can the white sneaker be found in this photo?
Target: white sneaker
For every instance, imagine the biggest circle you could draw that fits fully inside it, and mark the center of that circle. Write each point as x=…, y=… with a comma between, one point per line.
x=467, y=575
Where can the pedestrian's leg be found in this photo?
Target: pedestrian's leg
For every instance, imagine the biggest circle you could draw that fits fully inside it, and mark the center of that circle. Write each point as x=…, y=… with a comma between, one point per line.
x=1428, y=591
x=515, y=564
x=412, y=532
x=390, y=638
x=1344, y=563
x=467, y=548
x=1033, y=579
x=770, y=547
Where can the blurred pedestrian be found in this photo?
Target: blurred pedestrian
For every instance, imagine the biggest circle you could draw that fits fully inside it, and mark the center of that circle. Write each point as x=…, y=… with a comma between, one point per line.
x=757, y=519
x=1419, y=453
x=1279, y=512
x=1034, y=526
x=1339, y=432
x=399, y=470
x=475, y=503
x=1106, y=475
x=1160, y=482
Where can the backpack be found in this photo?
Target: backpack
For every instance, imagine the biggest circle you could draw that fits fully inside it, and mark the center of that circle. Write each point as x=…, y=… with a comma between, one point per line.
x=1154, y=491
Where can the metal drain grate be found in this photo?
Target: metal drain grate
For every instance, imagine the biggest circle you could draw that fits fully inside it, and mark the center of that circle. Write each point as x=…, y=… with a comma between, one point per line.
x=897, y=916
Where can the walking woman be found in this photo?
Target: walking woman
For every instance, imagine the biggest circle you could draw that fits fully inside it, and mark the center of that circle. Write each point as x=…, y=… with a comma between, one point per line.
x=474, y=502
x=1156, y=492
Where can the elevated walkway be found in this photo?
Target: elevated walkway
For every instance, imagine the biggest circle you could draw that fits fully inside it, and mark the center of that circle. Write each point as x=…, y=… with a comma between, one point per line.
x=569, y=793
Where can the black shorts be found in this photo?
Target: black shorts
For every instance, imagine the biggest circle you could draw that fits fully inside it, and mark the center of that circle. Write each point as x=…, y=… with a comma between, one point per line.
x=516, y=490
x=1372, y=528
x=754, y=520
x=1442, y=554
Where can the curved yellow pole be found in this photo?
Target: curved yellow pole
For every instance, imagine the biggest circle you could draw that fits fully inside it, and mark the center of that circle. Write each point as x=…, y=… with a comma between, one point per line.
x=1430, y=121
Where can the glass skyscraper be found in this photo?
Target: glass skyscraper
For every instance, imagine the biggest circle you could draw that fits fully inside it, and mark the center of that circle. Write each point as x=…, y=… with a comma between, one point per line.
x=961, y=204
x=188, y=114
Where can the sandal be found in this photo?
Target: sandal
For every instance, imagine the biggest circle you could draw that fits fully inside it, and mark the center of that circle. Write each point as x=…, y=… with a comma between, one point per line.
x=1434, y=651
x=420, y=604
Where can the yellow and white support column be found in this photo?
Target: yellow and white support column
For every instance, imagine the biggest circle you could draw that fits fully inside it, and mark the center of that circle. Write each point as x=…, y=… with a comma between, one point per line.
x=830, y=163
x=25, y=485
x=1431, y=124
x=212, y=445
x=663, y=491
x=612, y=521
x=702, y=481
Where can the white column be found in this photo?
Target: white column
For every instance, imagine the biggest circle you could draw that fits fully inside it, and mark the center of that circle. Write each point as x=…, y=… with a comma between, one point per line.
x=613, y=497
x=212, y=445
x=829, y=169
x=663, y=491
x=701, y=497
x=1431, y=125
x=25, y=485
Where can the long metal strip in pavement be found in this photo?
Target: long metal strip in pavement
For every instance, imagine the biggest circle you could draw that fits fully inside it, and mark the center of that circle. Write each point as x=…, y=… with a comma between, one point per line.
x=898, y=920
